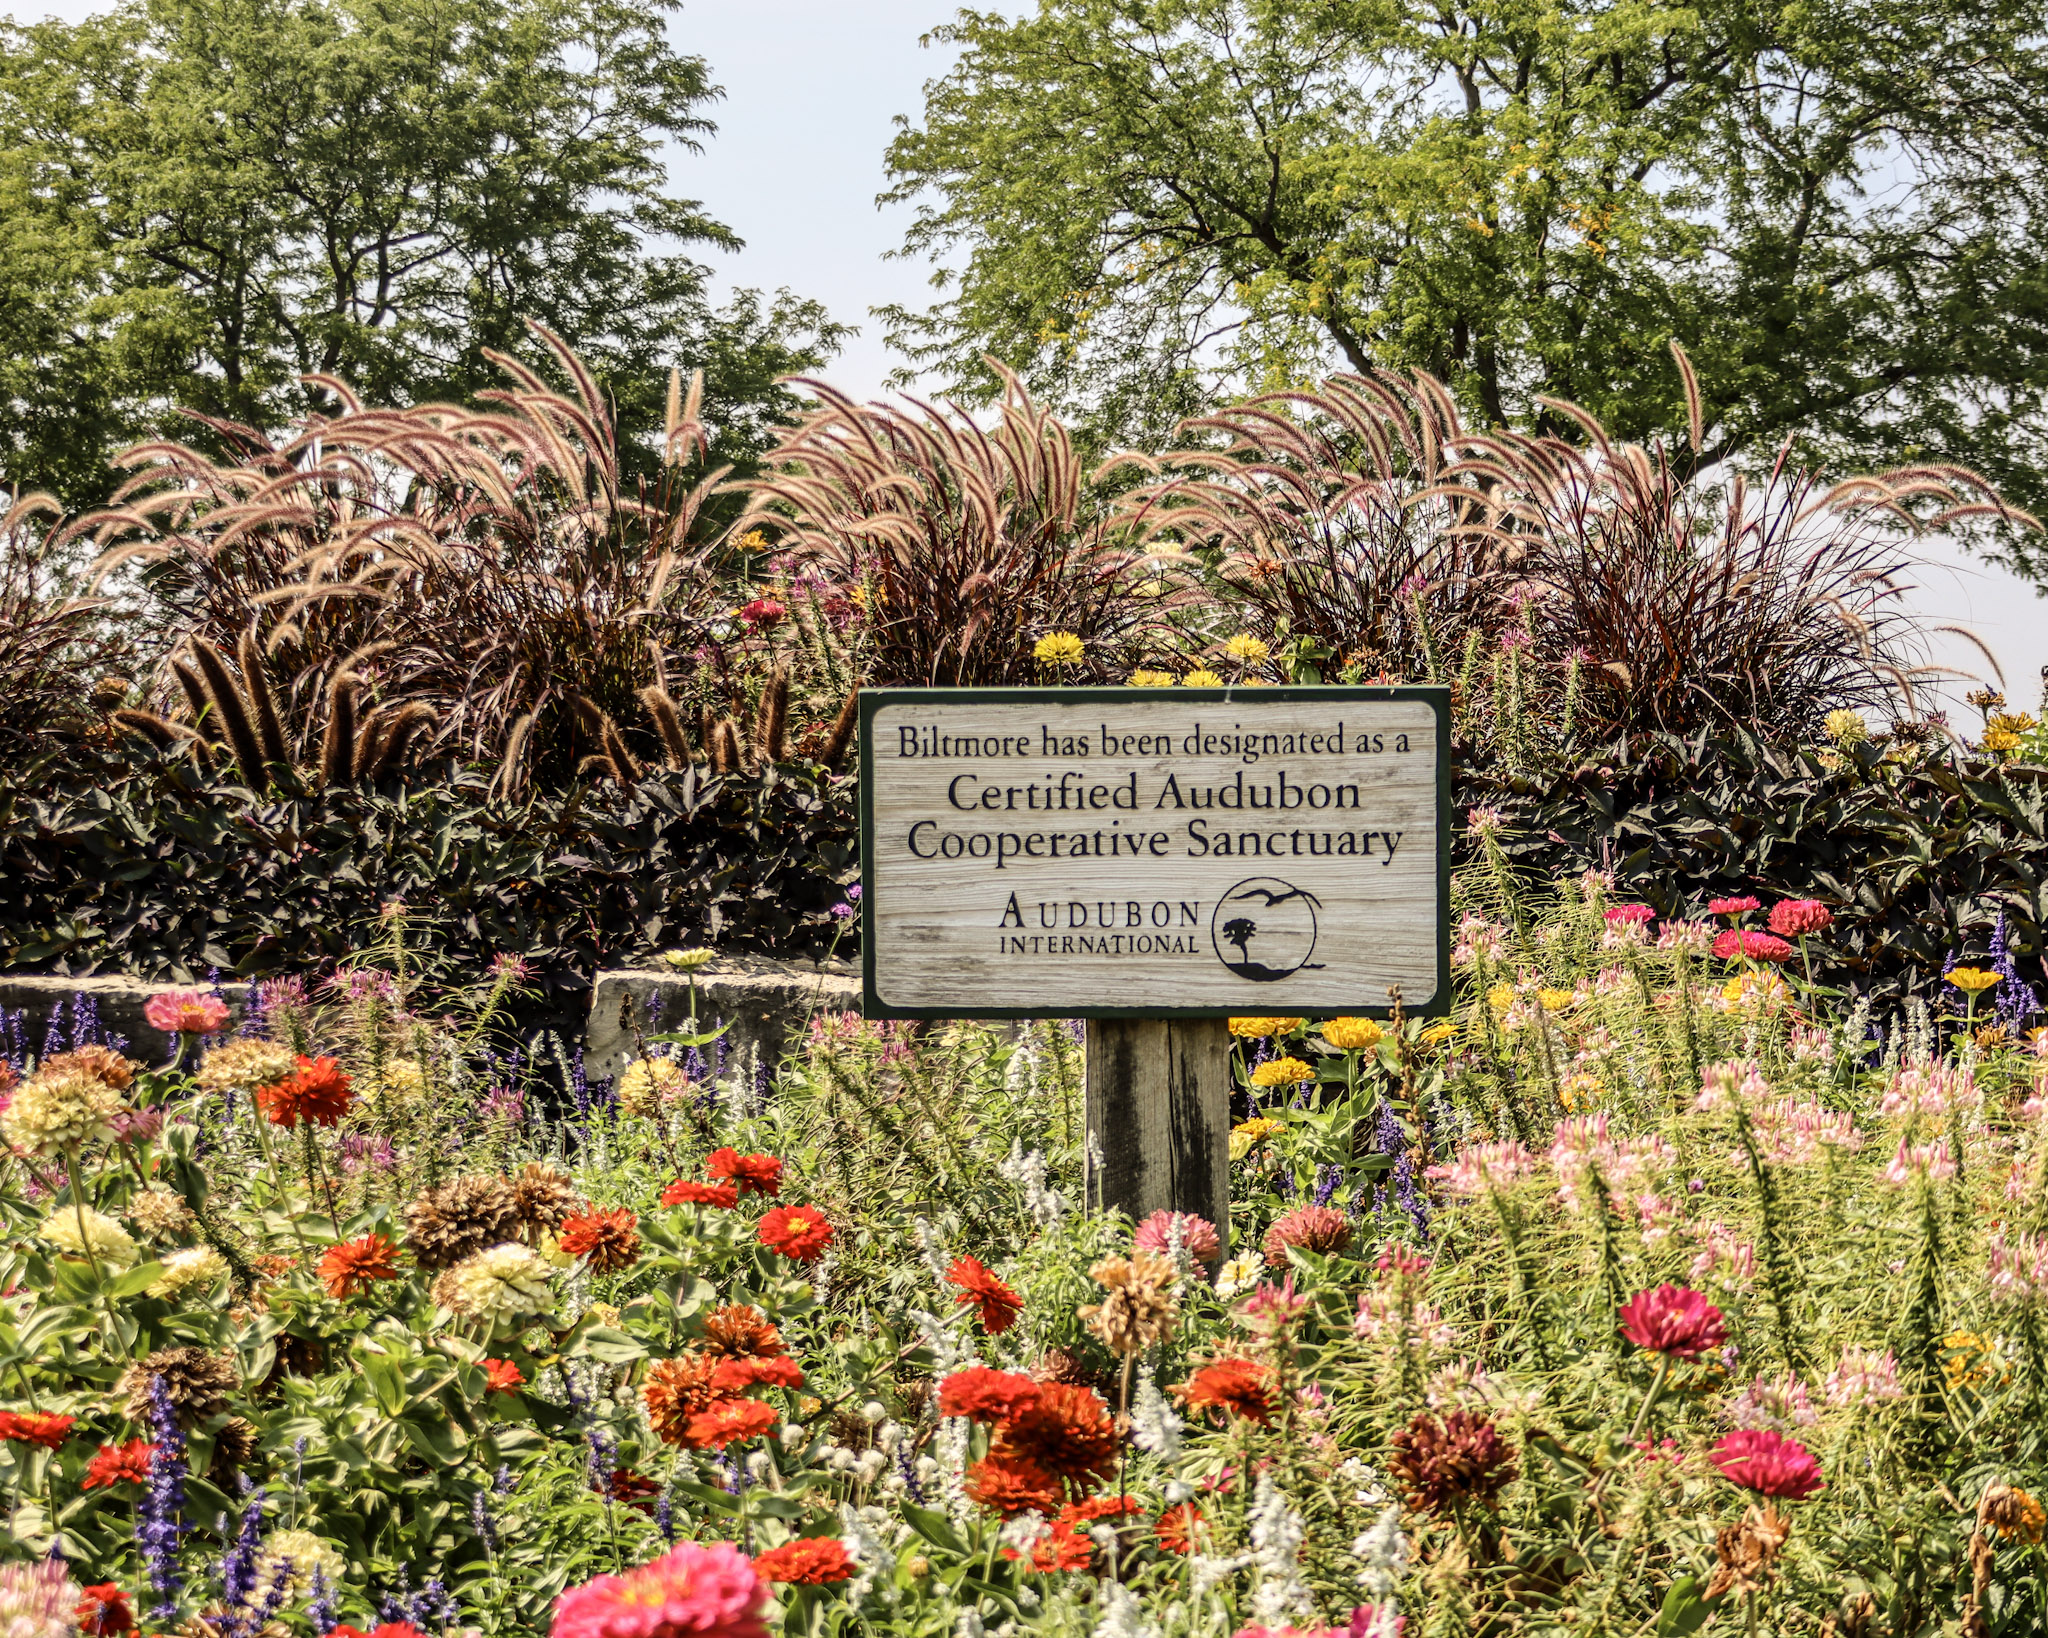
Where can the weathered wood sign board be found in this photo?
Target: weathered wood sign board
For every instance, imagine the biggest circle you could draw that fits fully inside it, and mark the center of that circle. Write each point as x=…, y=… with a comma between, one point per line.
x=1136, y=852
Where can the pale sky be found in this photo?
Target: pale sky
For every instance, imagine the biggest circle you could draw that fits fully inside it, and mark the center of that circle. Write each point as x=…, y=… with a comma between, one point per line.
x=811, y=90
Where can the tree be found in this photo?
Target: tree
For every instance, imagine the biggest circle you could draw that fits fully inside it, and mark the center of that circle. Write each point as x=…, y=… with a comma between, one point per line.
x=1835, y=208
x=202, y=201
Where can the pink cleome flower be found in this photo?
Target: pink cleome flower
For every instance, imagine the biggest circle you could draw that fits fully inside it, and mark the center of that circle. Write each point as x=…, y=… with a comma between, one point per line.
x=1198, y=1236
x=1768, y=1463
x=1673, y=1320
x=693, y=1591
x=1796, y=918
x=186, y=1012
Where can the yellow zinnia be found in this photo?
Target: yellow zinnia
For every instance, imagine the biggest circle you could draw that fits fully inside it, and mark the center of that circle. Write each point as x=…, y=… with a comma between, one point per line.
x=1057, y=648
x=1201, y=678
x=1152, y=679
x=1556, y=1000
x=1246, y=1137
x=1846, y=727
x=1970, y=980
x=1258, y=1029
x=1501, y=997
x=1352, y=1034
x=1282, y=1072
x=1437, y=1034
x=1246, y=649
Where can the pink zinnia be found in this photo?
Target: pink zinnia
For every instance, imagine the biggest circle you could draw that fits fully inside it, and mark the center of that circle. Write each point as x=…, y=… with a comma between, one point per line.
x=1673, y=1320
x=1767, y=1462
x=1319, y=1229
x=1198, y=1236
x=763, y=611
x=1795, y=918
x=1736, y=941
x=1740, y=906
x=186, y=1012
x=693, y=1591
x=1631, y=915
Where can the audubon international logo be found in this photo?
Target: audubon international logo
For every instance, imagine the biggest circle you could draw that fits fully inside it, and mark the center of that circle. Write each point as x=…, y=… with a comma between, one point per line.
x=1264, y=929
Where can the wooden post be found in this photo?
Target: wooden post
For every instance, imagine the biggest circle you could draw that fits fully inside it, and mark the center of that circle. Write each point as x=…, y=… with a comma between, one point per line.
x=1158, y=1100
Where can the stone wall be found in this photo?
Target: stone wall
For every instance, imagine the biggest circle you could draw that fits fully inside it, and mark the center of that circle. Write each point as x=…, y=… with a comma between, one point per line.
x=29, y=1001
x=768, y=1005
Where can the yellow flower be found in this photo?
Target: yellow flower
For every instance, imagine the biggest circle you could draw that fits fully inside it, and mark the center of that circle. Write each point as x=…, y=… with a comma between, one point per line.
x=1258, y=1029
x=1845, y=727
x=1352, y=1034
x=197, y=1267
x=2012, y=1512
x=53, y=1113
x=1556, y=1000
x=1757, y=989
x=1969, y=1360
x=647, y=1083
x=1282, y=1072
x=1581, y=1091
x=112, y=1246
x=1501, y=997
x=1142, y=678
x=1057, y=648
x=501, y=1286
x=1246, y=649
x=291, y=1556
x=2001, y=739
x=1437, y=1034
x=687, y=961
x=1246, y=1137
x=1971, y=980
x=1202, y=677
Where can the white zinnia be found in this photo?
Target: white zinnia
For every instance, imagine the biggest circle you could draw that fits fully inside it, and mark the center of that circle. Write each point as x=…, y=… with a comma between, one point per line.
x=501, y=1285
x=111, y=1244
x=51, y=1114
x=291, y=1556
x=197, y=1267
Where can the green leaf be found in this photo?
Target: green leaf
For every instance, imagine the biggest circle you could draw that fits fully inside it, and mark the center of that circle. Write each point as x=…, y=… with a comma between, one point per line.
x=1684, y=1611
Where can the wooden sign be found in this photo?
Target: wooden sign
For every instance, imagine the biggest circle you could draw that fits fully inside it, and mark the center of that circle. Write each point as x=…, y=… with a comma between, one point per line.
x=1139, y=852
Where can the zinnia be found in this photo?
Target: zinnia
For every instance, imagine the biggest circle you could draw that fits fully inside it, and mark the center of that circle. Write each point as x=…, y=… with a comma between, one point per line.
x=103, y=1610
x=1673, y=1320
x=693, y=1591
x=358, y=1264
x=317, y=1092
x=118, y=1464
x=1240, y=1387
x=1796, y=918
x=1066, y=1431
x=1319, y=1229
x=1009, y=1485
x=608, y=1240
x=737, y=1331
x=813, y=1561
x=676, y=1390
x=731, y=1422
x=1767, y=1462
x=1282, y=1072
x=799, y=1233
x=1629, y=915
x=32, y=1428
x=983, y=1395
x=186, y=1012
x=735, y=1376
x=1738, y=906
x=999, y=1304
x=751, y=1174
x=682, y=1192
x=502, y=1376
x=1750, y=945
x=1198, y=1237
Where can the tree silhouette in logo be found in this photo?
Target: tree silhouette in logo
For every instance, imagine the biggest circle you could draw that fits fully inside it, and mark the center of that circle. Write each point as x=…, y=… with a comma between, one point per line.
x=1239, y=931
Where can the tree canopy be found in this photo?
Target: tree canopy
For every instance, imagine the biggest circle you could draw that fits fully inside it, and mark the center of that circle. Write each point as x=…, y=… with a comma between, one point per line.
x=1836, y=208
x=202, y=201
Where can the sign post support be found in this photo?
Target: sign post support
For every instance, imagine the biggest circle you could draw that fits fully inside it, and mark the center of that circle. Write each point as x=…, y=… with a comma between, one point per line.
x=1155, y=861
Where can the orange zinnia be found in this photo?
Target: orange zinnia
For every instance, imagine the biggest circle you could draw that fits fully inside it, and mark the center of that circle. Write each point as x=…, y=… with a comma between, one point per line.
x=812, y=1561
x=752, y=1174
x=737, y=1375
x=737, y=1331
x=1242, y=1387
x=1010, y=1485
x=317, y=1091
x=609, y=1239
x=502, y=1376
x=999, y=1304
x=800, y=1233
x=1066, y=1431
x=356, y=1265
x=731, y=1422
x=675, y=1391
x=682, y=1192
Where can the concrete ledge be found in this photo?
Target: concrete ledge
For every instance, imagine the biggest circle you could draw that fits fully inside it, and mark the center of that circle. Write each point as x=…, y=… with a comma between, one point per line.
x=29, y=1002
x=768, y=1005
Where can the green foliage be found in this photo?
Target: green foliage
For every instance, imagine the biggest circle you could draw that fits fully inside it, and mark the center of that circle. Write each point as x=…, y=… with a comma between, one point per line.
x=217, y=197
x=1145, y=200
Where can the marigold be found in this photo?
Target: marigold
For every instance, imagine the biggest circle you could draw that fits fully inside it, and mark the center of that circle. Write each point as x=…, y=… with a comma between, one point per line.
x=502, y=1376
x=35, y=1428
x=731, y=1422
x=677, y=1390
x=737, y=1331
x=317, y=1092
x=999, y=1305
x=1008, y=1484
x=358, y=1264
x=682, y=1192
x=607, y=1240
x=1237, y=1387
x=692, y=1591
x=983, y=1395
x=751, y=1174
x=799, y=1233
x=1353, y=1034
x=186, y=1012
x=1058, y=648
x=812, y=1561
x=1258, y=1029
x=118, y=1464
x=1282, y=1072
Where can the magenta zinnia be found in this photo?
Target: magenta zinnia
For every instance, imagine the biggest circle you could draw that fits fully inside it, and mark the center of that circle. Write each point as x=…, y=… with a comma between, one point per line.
x=1796, y=918
x=1673, y=1320
x=1767, y=1462
x=693, y=1591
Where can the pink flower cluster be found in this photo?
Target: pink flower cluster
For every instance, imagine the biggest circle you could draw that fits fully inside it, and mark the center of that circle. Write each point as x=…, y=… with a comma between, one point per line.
x=1930, y=1091
x=1792, y=1132
x=1482, y=1168
x=1864, y=1377
x=1581, y=1146
x=1735, y=1078
x=1724, y=1256
x=1800, y=918
x=1478, y=939
x=2019, y=1267
x=1394, y=1308
x=1777, y=1402
x=1929, y=1160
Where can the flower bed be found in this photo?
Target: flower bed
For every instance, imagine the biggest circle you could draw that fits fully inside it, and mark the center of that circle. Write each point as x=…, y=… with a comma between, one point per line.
x=1649, y=1291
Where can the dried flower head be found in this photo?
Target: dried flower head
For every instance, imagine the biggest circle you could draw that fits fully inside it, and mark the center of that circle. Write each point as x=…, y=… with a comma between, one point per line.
x=738, y=1331
x=542, y=1197
x=159, y=1214
x=2013, y=1513
x=1445, y=1462
x=101, y=1062
x=459, y=1219
x=1746, y=1552
x=196, y=1382
x=1140, y=1304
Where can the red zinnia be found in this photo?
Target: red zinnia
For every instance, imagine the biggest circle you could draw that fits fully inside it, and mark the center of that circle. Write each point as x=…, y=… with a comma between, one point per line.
x=1062, y=1548
x=1176, y=1528
x=737, y=1375
x=1738, y=906
x=1768, y=1463
x=634, y=1488
x=118, y=1464
x=502, y=1376
x=1240, y=1387
x=1739, y=941
x=731, y=1422
x=1066, y=1431
x=763, y=612
x=46, y=1430
x=983, y=1395
x=753, y=1174
x=1009, y=1485
x=1673, y=1320
x=104, y=1610
x=356, y=1265
x=609, y=1240
x=800, y=1233
x=999, y=1304
x=813, y=1561
x=317, y=1091
x=682, y=1192
x=1796, y=918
